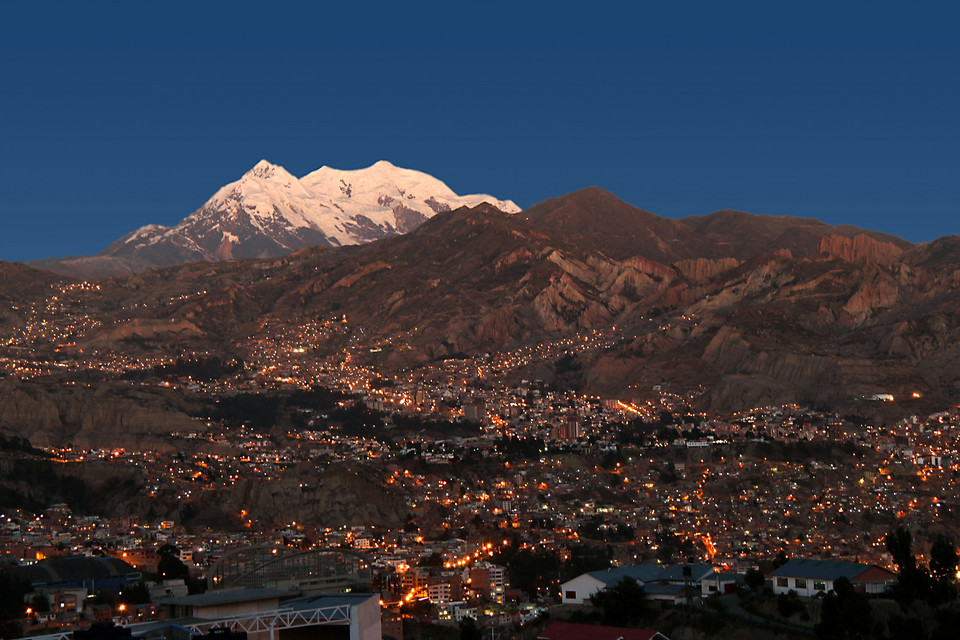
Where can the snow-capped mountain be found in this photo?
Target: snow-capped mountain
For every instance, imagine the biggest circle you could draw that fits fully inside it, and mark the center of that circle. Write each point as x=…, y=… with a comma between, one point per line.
x=269, y=212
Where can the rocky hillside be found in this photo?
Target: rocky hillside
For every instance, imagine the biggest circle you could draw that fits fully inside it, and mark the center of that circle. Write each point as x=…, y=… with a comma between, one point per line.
x=753, y=309
x=21, y=285
x=58, y=415
x=337, y=496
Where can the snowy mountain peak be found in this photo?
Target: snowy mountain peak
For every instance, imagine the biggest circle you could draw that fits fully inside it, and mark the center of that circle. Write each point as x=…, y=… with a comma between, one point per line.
x=268, y=171
x=264, y=183
x=270, y=212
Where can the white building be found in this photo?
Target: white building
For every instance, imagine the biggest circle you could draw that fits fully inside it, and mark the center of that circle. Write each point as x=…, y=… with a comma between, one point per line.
x=811, y=577
x=579, y=589
x=439, y=592
x=264, y=613
x=722, y=583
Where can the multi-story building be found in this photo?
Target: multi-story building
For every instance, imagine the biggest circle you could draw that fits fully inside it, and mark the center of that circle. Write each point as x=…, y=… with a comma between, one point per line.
x=489, y=580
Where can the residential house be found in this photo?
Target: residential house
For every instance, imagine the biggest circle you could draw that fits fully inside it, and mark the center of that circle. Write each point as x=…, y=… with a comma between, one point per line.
x=660, y=583
x=578, y=590
x=810, y=577
x=722, y=583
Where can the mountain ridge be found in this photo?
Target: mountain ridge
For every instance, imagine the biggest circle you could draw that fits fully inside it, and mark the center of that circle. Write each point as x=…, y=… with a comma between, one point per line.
x=268, y=212
x=776, y=311
x=764, y=323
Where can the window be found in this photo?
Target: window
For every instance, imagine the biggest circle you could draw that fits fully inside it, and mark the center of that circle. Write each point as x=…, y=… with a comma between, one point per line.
x=801, y=583
x=570, y=595
x=819, y=585
x=782, y=582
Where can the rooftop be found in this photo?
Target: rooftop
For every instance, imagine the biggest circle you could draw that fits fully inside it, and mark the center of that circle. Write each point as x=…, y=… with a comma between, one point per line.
x=227, y=596
x=73, y=569
x=822, y=569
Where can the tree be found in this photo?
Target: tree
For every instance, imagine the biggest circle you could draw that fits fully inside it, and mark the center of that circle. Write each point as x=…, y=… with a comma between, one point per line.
x=915, y=583
x=196, y=585
x=943, y=558
x=781, y=559
x=40, y=603
x=433, y=560
x=533, y=572
x=12, y=593
x=788, y=603
x=845, y=613
x=899, y=543
x=584, y=558
x=754, y=579
x=469, y=630
x=136, y=593
x=620, y=605
x=169, y=567
x=103, y=597
x=420, y=608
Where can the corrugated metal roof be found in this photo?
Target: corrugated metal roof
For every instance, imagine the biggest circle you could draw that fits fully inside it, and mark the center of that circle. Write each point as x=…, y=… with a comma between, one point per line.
x=646, y=573
x=227, y=596
x=73, y=569
x=642, y=573
x=698, y=572
x=328, y=600
x=819, y=569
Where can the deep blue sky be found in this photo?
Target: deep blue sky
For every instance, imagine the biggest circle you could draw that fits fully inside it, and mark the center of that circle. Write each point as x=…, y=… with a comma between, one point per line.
x=119, y=115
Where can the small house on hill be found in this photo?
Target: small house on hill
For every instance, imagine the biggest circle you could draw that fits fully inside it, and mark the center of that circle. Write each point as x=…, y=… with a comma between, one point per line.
x=578, y=590
x=660, y=583
x=810, y=577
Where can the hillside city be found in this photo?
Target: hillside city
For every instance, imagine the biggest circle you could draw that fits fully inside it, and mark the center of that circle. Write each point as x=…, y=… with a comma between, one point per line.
x=510, y=486
x=479, y=321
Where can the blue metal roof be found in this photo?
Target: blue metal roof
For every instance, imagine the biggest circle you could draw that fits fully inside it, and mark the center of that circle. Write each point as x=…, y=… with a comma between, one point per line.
x=820, y=569
x=228, y=596
x=698, y=572
x=647, y=573
x=328, y=600
x=642, y=573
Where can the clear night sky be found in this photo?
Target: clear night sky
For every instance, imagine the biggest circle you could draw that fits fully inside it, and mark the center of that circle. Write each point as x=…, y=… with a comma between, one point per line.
x=119, y=115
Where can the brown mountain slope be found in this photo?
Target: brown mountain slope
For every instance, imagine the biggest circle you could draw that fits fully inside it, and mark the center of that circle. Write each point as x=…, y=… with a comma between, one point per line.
x=19, y=286
x=82, y=415
x=19, y=282
x=748, y=234
x=756, y=309
x=597, y=220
